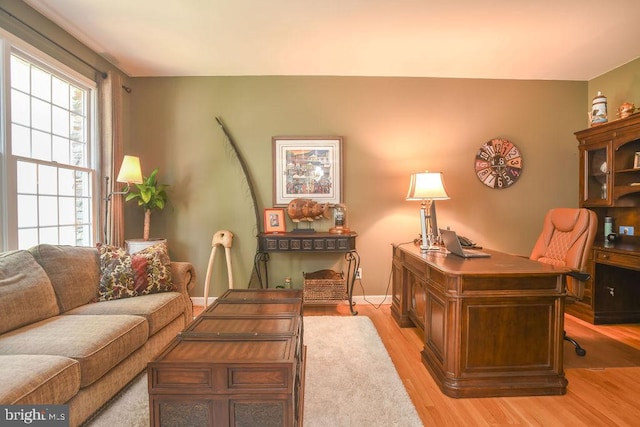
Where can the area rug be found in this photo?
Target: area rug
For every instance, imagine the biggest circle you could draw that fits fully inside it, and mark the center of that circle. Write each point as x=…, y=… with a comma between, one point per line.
x=350, y=381
x=602, y=351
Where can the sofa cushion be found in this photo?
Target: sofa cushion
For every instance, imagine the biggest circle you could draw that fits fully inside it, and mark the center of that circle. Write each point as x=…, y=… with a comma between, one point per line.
x=158, y=309
x=145, y=272
x=26, y=294
x=97, y=342
x=74, y=272
x=34, y=379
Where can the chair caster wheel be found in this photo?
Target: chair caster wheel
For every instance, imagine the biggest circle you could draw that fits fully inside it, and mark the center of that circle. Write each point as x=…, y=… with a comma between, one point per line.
x=580, y=351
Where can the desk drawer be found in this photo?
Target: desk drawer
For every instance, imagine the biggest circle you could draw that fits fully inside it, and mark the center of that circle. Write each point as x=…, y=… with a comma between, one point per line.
x=622, y=260
x=416, y=266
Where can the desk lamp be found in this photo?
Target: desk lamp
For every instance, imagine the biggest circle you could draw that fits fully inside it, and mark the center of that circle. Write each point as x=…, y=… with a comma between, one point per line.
x=130, y=173
x=427, y=187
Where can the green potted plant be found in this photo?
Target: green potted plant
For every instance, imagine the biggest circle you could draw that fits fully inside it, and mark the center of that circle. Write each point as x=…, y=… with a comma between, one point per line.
x=150, y=195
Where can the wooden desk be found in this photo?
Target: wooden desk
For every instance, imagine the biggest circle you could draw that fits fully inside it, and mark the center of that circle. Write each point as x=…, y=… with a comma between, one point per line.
x=491, y=326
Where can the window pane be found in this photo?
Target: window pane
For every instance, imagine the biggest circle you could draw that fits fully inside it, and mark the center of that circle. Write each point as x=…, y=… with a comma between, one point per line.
x=82, y=184
x=77, y=101
x=20, y=110
x=67, y=182
x=41, y=145
x=68, y=235
x=83, y=238
x=28, y=209
x=83, y=207
x=20, y=141
x=47, y=180
x=60, y=121
x=60, y=150
x=20, y=74
x=27, y=238
x=41, y=83
x=27, y=173
x=60, y=93
x=49, y=235
x=77, y=128
x=78, y=154
x=48, y=206
x=41, y=115
x=67, y=211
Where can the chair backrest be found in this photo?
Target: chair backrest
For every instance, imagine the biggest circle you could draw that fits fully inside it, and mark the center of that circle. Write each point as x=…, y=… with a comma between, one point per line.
x=566, y=240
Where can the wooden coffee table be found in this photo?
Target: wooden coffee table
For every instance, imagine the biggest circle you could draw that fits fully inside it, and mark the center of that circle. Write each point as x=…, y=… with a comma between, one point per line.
x=240, y=363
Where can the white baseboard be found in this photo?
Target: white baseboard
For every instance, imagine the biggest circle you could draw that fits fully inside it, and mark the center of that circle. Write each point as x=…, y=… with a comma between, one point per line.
x=358, y=299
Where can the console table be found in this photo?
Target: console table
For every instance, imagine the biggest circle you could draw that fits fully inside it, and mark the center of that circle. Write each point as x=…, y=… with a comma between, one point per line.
x=491, y=326
x=300, y=242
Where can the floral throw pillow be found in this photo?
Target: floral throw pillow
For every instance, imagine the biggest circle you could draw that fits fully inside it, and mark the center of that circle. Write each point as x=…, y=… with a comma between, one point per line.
x=123, y=275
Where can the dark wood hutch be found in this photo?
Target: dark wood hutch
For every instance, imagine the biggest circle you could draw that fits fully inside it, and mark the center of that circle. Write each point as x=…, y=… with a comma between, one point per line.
x=610, y=186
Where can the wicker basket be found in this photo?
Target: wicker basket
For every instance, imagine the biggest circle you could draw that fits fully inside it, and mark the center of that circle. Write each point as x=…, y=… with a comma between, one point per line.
x=324, y=286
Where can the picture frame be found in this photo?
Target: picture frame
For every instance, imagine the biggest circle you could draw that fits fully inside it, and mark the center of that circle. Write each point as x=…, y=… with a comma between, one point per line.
x=274, y=221
x=636, y=160
x=307, y=167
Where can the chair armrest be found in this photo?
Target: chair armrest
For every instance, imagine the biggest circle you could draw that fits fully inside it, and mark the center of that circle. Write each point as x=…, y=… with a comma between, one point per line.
x=183, y=275
x=575, y=285
x=579, y=275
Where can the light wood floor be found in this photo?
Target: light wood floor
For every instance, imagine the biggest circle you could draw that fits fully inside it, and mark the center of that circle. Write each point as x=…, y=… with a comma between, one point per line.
x=595, y=397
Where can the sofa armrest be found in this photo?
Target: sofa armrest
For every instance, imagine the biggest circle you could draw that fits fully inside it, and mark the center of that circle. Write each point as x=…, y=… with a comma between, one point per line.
x=183, y=275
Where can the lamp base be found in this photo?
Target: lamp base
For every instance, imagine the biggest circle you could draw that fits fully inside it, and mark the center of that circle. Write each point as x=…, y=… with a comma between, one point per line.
x=428, y=242
x=339, y=229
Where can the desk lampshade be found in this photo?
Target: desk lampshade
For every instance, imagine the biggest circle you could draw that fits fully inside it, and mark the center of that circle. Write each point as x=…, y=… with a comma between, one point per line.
x=427, y=187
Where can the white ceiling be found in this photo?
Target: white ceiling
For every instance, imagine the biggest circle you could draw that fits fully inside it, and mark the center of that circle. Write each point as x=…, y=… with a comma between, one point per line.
x=503, y=39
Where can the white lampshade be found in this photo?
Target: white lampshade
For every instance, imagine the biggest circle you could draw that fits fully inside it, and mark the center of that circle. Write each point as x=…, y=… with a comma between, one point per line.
x=427, y=186
x=130, y=171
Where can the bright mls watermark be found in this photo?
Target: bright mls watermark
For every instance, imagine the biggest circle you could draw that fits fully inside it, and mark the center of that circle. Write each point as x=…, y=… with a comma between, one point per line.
x=34, y=415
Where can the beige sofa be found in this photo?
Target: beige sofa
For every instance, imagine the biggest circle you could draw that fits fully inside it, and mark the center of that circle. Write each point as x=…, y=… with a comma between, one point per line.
x=58, y=346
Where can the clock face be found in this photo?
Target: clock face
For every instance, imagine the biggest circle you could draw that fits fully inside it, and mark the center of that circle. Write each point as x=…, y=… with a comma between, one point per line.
x=498, y=163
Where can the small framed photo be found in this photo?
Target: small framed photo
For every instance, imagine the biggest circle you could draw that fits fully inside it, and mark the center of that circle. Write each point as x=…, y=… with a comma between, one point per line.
x=307, y=167
x=636, y=160
x=274, y=221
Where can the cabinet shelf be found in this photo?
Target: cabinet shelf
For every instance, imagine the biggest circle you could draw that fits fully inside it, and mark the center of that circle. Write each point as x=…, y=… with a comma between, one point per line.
x=633, y=170
x=625, y=190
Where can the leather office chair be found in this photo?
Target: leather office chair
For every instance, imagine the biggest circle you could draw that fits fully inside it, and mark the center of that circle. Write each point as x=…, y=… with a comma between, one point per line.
x=566, y=240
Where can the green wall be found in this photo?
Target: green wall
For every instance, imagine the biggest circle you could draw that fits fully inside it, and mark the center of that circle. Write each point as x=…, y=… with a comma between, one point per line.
x=391, y=127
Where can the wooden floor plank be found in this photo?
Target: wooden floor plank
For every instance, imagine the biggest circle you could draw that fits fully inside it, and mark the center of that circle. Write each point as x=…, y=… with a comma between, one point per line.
x=595, y=397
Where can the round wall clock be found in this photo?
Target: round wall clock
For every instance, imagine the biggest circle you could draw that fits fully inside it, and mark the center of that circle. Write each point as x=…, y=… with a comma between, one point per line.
x=498, y=163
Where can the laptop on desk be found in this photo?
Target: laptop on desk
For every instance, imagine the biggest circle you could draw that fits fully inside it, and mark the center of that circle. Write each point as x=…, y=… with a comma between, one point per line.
x=451, y=242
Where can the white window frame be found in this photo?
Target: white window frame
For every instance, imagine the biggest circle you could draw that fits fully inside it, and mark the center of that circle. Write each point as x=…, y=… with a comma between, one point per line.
x=8, y=182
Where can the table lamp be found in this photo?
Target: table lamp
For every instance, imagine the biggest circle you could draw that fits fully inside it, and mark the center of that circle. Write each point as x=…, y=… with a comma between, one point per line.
x=427, y=187
x=130, y=173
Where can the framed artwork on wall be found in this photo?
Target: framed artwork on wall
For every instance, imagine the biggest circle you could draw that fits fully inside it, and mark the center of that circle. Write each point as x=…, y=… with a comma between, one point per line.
x=274, y=221
x=307, y=167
